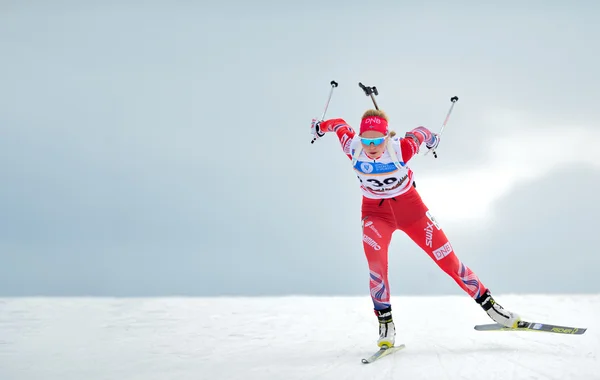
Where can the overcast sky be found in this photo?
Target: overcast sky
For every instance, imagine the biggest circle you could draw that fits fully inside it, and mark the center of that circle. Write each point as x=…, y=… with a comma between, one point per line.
x=163, y=148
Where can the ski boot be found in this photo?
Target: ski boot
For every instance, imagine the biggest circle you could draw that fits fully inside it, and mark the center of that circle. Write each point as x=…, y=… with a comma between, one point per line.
x=497, y=312
x=387, y=330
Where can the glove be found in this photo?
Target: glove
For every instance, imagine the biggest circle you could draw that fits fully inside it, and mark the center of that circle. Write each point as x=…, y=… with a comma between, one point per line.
x=433, y=142
x=318, y=128
x=314, y=128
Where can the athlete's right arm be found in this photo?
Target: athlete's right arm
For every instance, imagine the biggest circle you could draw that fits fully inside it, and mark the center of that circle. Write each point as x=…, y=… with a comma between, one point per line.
x=344, y=132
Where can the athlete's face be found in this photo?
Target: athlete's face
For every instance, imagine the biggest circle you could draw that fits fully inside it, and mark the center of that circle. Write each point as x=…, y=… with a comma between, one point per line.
x=373, y=143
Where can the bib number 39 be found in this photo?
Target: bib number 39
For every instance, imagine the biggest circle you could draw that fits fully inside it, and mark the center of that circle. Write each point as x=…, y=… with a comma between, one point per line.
x=386, y=182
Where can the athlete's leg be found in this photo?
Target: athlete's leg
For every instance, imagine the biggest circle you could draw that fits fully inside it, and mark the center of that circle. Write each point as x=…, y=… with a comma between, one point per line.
x=428, y=235
x=377, y=234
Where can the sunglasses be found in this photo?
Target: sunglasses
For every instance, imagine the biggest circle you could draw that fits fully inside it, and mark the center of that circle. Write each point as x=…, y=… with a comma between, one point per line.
x=375, y=140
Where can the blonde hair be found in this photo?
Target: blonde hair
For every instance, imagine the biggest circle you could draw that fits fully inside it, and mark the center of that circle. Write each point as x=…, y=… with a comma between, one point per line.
x=378, y=113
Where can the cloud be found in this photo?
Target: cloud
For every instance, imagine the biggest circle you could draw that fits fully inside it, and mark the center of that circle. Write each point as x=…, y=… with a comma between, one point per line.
x=526, y=151
x=543, y=236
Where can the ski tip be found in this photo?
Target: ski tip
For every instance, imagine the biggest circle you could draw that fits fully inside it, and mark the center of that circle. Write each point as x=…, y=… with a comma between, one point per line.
x=490, y=326
x=534, y=327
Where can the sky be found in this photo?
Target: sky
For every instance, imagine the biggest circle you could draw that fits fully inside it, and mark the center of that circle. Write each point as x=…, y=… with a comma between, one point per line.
x=164, y=148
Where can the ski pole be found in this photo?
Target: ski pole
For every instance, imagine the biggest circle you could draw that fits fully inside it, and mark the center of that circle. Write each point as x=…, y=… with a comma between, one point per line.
x=370, y=91
x=453, y=99
x=333, y=84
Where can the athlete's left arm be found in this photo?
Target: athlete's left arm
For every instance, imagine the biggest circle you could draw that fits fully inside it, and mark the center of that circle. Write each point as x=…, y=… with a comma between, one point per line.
x=412, y=141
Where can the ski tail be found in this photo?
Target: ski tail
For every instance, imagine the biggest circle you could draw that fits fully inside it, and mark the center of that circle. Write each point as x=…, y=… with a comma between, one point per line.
x=384, y=351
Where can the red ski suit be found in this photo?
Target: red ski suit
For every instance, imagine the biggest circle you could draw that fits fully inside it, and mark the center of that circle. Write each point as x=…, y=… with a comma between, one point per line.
x=391, y=202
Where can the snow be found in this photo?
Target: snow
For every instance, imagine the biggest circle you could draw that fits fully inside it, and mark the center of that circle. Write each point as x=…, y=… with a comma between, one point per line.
x=289, y=338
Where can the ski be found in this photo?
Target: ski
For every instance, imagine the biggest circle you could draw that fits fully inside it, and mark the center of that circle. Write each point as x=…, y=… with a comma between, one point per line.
x=533, y=326
x=384, y=351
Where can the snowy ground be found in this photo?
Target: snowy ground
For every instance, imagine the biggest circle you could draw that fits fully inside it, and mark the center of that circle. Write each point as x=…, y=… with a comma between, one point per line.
x=288, y=338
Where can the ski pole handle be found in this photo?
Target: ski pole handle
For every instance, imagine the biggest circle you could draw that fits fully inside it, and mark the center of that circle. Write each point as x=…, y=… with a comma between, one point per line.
x=370, y=91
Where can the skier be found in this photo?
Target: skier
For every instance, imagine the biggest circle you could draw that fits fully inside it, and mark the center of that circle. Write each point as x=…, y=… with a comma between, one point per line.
x=391, y=202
